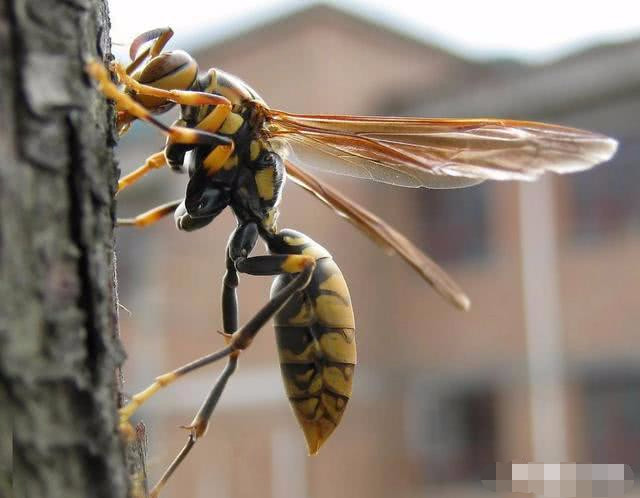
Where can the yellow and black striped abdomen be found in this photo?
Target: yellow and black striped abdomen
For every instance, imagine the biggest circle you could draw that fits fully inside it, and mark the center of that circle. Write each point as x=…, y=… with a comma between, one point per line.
x=316, y=343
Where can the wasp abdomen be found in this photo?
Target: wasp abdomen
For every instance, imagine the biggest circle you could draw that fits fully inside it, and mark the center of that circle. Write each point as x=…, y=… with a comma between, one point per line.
x=315, y=332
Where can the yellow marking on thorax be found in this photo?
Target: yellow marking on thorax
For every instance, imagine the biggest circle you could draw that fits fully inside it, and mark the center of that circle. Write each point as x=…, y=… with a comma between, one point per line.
x=254, y=149
x=232, y=124
x=264, y=182
x=215, y=119
x=220, y=118
x=270, y=221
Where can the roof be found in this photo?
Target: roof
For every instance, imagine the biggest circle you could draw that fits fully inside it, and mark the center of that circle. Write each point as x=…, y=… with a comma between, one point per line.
x=283, y=25
x=601, y=73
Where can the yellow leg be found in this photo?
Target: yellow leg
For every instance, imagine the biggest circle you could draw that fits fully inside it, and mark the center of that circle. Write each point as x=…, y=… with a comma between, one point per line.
x=164, y=380
x=149, y=217
x=178, y=134
x=197, y=428
x=237, y=341
x=138, y=399
x=182, y=97
x=216, y=158
x=157, y=160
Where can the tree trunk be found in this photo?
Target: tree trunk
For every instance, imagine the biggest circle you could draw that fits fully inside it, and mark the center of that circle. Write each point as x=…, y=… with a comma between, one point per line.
x=59, y=348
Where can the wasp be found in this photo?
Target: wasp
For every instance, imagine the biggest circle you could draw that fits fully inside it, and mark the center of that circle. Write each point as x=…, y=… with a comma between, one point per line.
x=238, y=152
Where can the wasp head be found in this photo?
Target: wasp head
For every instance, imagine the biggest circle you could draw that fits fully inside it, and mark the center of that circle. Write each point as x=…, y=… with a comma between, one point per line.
x=175, y=70
x=206, y=197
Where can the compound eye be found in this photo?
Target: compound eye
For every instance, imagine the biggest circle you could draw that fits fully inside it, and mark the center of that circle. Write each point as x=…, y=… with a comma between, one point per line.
x=175, y=69
x=187, y=223
x=204, y=198
x=210, y=203
x=168, y=71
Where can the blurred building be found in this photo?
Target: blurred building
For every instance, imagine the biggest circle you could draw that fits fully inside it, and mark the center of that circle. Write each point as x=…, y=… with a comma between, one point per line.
x=439, y=394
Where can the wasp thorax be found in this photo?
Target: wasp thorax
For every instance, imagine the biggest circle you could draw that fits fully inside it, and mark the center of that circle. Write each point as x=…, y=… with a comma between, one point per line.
x=169, y=71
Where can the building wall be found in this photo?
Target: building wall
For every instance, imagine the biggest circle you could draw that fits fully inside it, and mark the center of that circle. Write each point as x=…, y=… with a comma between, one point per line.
x=424, y=368
x=595, y=220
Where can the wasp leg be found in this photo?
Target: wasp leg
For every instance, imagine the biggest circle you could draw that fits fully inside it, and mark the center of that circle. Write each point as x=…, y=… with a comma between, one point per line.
x=161, y=37
x=241, y=339
x=149, y=217
x=240, y=244
x=238, y=341
x=182, y=97
x=155, y=161
x=183, y=220
x=262, y=265
x=178, y=134
x=198, y=430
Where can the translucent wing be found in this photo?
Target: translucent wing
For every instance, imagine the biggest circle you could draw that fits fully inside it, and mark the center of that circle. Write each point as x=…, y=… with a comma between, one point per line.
x=438, y=153
x=380, y=232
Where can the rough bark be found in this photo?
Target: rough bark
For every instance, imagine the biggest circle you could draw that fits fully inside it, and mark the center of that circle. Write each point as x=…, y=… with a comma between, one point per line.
x=59, y=349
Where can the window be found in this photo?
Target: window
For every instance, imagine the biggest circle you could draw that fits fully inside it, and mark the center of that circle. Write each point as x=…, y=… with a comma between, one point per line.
x=606, y=199
x=460, y=435
x=455, y=223
x=612, y=411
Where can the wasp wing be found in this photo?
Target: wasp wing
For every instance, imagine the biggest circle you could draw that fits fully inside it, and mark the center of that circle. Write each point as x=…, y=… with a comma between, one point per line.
x=380, y=232
x=438, y=153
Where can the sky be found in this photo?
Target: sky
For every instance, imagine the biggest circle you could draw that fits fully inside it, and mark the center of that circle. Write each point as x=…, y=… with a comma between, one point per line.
x=533, y=31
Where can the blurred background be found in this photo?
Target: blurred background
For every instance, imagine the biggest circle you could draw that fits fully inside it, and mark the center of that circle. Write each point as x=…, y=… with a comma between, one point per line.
x=544, y=368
